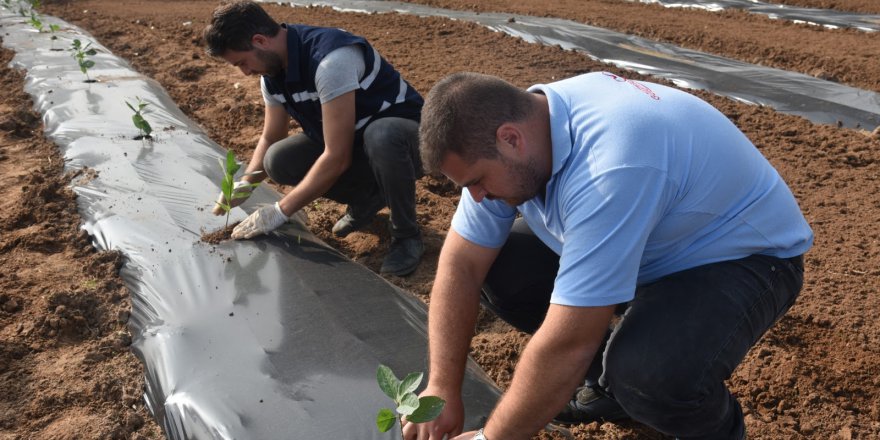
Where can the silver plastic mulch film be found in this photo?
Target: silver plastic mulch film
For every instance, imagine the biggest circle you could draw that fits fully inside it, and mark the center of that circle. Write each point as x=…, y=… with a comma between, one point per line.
x=269, y=338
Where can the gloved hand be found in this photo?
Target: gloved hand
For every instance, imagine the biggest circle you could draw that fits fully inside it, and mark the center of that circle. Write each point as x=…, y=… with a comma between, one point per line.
x=262, y=221
x=242, y=189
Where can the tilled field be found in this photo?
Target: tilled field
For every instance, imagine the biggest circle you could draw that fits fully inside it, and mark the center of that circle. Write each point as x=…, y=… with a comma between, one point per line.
x=65, y=371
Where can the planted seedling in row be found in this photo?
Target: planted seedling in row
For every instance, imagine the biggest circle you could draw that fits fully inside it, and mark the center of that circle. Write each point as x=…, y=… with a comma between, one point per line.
x=80, y=52
x=228, y=186
x=35, y=21
x=37, y=24
x=139, y=121
x=24, y=11
x=402, y=392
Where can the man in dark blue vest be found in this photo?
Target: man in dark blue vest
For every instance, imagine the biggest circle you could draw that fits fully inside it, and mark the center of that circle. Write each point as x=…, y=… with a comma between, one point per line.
x=359, y=119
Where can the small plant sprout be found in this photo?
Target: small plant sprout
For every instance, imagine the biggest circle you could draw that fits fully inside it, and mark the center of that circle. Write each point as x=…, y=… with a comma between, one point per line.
x=138, y=119
x=37, y=24
x=80, y=52
x=402, y=392
x=35, y=21
x=229, y=188
x=32, y=4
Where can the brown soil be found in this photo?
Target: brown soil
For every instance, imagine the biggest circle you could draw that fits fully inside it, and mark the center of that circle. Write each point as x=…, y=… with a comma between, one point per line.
x=846, y=56
x=860, y=6
x=219, y=235
x=65, y=371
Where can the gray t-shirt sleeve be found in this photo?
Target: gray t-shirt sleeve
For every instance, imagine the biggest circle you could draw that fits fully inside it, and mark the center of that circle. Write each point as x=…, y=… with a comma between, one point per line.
x=340, y=72
x=267, y=98
x=270, y=100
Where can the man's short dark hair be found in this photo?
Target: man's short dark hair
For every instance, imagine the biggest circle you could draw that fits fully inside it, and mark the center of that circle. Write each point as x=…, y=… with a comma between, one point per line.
x=462, y=113
x=233, y=25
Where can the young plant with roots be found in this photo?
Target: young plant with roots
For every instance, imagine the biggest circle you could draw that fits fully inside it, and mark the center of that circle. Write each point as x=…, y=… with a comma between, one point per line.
x=138, y=119
x=229, y=187
x=402, y=392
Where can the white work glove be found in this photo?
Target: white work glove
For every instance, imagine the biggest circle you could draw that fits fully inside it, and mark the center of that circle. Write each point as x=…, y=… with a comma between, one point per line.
x=262, y=221
x=241, y=190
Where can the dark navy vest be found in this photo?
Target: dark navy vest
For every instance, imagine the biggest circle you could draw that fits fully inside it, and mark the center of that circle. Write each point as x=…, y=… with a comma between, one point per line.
x=382, y=92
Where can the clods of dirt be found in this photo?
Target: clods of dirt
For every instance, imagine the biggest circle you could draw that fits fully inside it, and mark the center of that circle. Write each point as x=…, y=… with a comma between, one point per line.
x=219, y=235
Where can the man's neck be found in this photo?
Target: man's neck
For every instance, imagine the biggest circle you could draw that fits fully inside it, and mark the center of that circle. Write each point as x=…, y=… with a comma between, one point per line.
x=282, y=46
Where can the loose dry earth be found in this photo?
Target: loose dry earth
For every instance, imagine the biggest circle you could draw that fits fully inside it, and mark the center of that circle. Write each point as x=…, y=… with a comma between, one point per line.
x=66, y=371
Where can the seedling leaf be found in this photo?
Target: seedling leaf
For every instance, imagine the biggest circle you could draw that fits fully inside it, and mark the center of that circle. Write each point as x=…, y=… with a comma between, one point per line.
x=142, y=124
x=138, y=118
x=237, y=193
x=388, y=382
x=429, y=408
x=408, y=404
x=409, y=384
x=227, y=185
x=414, y=408
x=385, y=419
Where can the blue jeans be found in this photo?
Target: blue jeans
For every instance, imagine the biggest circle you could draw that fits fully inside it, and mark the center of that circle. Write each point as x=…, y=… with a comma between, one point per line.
x=385, y=164
x=676, y=342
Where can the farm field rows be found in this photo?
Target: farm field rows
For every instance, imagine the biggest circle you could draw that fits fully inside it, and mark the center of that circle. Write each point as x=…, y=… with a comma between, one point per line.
x=66, y=372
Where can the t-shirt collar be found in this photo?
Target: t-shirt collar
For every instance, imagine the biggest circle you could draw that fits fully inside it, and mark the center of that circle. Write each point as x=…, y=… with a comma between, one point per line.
x=560, y=126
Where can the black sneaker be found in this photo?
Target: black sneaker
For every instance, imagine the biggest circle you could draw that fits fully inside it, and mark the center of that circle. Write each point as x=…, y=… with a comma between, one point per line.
x=403, y=256
x=357, y=217
x=591, y=404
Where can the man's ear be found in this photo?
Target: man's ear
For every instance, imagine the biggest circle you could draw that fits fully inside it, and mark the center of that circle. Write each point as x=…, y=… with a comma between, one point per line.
x=260, y=41
x=508, y=135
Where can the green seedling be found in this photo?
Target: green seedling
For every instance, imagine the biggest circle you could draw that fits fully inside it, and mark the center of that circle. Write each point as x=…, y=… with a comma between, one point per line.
x=139, y=121
x=54, y=28
x=80, y=52
x=35, y=21
x=32, y=4
x=227, y=187
x=402, y=392
x=37, y=24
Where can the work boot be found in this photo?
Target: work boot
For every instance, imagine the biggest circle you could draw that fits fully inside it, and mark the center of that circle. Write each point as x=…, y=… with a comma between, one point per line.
x=357, y=216
x=591, y=404
x=403, y=256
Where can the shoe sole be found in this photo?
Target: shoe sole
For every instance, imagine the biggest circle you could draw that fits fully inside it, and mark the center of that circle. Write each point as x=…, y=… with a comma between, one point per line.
x=401, y=272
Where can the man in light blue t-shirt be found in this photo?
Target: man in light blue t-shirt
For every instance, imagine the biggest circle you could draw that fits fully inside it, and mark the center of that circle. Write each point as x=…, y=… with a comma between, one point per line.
x=590, y=197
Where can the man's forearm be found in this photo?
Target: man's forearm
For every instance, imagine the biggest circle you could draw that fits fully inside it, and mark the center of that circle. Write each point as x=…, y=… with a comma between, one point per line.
x=254, y=172
x=320, y=178
x=455, y=304
x=451, y=320
x=552, y=366
x=543, y=383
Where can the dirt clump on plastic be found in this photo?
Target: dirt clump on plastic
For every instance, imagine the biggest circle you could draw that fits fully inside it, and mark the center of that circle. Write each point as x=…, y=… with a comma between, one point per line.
x=219, y=235
x=65, y=368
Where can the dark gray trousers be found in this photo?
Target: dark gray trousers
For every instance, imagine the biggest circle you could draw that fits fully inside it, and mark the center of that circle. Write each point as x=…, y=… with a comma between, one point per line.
x=385, y=165
x=677, y=341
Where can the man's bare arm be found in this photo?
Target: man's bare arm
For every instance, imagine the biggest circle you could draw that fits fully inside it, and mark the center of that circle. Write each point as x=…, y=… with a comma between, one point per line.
x=552, y=366
x=338, y=120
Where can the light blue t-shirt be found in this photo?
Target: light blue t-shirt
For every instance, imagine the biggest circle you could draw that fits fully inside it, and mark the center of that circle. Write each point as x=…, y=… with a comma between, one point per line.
x=647, y=180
